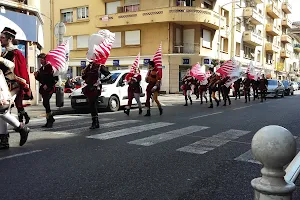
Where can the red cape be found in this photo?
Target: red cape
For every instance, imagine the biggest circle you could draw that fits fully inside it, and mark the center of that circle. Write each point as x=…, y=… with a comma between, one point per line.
x=21, y=72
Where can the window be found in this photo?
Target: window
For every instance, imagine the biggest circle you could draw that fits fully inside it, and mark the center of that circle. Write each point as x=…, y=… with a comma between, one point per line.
x=118, y=40
x=225, y=13
x=67, y=15
x=132, y=37
x=248, y=52
x=78, y=71
x=82, y=41
x=206, y=39
x=238, y=24
x=112, y=7
x=238, y=49
x=269, y=58
x=83, y=13
x=258, y=56
x=208, y=4
x=70, y=41
x=224, y=44
x=269, y=38
x=131, y=5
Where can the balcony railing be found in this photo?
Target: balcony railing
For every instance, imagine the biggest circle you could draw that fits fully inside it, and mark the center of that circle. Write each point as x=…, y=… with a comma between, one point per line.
x=186, y=48
x=178, y=15
x=273, y=11
x=253, y=15
x=284, y=53
x=286, y=7
x=271, y=47
x=272, y=30
x=286, y=23
x=252, y=38
x=286, y=39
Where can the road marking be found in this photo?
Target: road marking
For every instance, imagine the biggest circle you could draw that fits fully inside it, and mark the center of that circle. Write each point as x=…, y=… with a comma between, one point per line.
x=247, y=157
x=129, y=131
x=208, y=144
x=206, y=115
x=241, y=107
x=20, y=154
x=82, y=128
x=155, y=139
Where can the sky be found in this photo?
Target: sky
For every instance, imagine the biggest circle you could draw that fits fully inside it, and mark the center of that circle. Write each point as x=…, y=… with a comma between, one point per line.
x=295, y=15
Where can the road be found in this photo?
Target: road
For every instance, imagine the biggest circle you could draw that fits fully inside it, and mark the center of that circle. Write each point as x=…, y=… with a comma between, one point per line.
x=174, y=156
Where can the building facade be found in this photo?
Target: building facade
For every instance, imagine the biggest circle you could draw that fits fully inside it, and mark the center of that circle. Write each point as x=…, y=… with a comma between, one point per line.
x=25, y=18
x=191, y=31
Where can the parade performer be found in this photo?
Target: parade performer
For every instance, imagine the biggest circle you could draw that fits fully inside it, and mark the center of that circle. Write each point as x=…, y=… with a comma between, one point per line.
x=247, y=85
x=133, y=78
x=196, y=84
x=225, y=90
x=202, y=90
x=237, y=86
x=255, y=86
x=91, y=74
x=187, y=87
x=47, y=86
x=213, y=81
x=153, y=78
x=13, y=66
x=263, y=87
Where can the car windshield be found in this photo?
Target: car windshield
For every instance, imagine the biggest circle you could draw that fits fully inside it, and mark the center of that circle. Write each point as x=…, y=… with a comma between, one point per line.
x=112, y=79
x=272, y=82
x=285, y=83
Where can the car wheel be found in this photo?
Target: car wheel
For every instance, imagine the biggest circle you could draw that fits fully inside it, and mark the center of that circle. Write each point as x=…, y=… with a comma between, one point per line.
x=292, y=93
x=113, y=104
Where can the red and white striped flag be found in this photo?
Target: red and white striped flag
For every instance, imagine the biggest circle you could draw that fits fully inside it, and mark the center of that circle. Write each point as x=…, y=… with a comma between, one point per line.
x=197, y=73
x=102, y=51
x=251, y=72
x=58, y=58
x=157, y=59
x=227, y=68
x=135, y=64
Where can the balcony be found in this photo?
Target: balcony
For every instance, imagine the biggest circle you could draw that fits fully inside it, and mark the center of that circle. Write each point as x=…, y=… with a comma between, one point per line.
x=286, y=23
x=273, y=11
x=297, y=48
x=286, y=39
x=256, y=1
x=252, y=38
x=286, y=7
x=285, y=53
x=254, y=16
x=179, y=15
x=271, y=47
x=272, y=30
x=186, y=48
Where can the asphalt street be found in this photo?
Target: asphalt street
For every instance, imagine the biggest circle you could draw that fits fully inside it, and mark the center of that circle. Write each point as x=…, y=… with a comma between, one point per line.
x=178, y=155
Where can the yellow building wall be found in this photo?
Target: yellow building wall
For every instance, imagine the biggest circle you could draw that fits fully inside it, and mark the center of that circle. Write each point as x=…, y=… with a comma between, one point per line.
x=47, y=27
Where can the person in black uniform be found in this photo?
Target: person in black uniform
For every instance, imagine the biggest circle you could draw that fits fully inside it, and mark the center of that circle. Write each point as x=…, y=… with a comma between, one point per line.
x=213, y=81
x=247, y=85
x=92, y=77
x=225, y=91
x=47, y=86
x=237, y=86
x=263, y=87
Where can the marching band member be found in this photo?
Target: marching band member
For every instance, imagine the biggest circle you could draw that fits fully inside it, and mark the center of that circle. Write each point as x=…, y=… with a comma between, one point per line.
x=91, y=75
x=236, y=86
x=47, y=85
x=213, y=80
x=225, y=91
x=202, y=90
x=247, y=85
x=134, y=89
x=12, y=64
x=187, y=87
x=263, y=87
x=153, y=79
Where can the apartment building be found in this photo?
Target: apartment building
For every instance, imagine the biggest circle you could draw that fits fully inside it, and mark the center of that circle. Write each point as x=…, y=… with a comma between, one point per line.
x=191, y=31
x=25, y=18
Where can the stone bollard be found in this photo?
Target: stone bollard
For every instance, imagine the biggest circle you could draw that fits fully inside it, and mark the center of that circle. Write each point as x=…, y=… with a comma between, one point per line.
x=275, y=147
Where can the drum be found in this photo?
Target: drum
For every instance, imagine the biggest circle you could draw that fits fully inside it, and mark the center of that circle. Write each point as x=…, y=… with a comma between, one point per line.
x=5, y=95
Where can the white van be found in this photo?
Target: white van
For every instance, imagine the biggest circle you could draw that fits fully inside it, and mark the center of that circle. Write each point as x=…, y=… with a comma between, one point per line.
x=113, y=94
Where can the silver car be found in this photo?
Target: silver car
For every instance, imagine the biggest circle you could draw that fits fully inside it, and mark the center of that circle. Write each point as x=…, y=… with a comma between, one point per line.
x=275, y=88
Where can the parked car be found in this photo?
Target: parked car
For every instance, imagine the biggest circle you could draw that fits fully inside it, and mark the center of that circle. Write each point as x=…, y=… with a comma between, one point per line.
x=275, y=88
x=288, y=88
x=294, y=85
x=298, y=85
x=113, y=94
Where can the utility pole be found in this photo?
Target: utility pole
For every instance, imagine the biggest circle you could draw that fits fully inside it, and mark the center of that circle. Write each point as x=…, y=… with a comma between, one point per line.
x=232, y=45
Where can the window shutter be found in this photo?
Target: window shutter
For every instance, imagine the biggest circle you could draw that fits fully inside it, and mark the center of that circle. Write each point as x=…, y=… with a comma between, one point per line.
x=112, y=7
x=82, y=41
x=206, y=39
x=118, y=40
x=131, y=2
x=133, y=37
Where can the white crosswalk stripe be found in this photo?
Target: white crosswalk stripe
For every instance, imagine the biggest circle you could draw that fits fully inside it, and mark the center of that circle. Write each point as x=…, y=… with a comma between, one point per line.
x=247, y=157
x=209, y=144
x=129, y=131
x=155, y=139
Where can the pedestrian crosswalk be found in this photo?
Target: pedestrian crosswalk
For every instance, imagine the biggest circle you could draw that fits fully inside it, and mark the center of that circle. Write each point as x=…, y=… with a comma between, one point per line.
x=148, y=134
